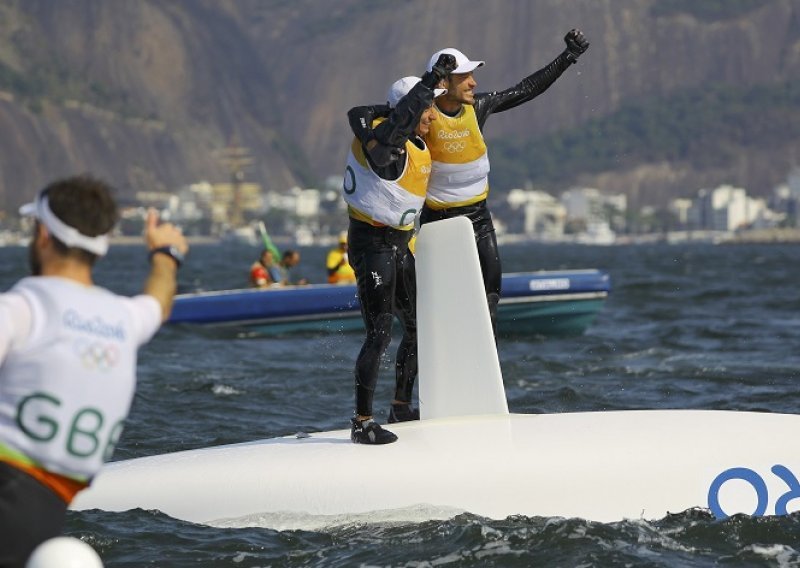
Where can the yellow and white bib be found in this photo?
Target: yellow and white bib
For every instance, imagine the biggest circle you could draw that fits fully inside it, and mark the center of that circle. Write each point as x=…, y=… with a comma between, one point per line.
x=460, y=169
x=386, y=202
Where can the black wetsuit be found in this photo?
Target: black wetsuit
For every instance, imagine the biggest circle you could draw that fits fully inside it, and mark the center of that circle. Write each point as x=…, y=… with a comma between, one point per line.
x=384, y=267
x=485, y=104
x=386, y=280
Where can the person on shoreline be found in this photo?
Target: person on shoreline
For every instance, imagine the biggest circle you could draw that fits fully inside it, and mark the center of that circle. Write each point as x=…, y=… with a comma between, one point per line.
x=382, y=204
x=68, y=353
x=459, y=182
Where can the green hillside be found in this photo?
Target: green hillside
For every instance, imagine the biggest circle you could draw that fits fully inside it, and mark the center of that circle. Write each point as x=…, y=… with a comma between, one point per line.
x=705, y=128
x=706, y=10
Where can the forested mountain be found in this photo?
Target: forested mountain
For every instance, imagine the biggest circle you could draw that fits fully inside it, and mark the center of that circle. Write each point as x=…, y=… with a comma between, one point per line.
x=671, y=96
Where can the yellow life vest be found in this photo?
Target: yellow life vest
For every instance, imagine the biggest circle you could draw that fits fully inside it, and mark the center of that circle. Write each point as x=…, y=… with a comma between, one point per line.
x=378, y=201
x=460, y=161
x=344, y=273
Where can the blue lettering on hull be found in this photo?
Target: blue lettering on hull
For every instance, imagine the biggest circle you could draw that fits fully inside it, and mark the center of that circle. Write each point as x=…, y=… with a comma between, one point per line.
x=759, y=488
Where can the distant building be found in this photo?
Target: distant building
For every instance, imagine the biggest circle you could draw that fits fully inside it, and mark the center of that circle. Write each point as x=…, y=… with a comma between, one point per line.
x=793, y=181
x=792, y=202
x=587, y=207
x=232, y=202
x=544, y=215
x=307, y=204
x=680, y=211
x=729, y=208
x=297, y=201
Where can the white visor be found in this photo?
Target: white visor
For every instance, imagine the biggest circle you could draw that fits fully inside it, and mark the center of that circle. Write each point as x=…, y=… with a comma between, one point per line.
x=401, y=88
x=40, y=209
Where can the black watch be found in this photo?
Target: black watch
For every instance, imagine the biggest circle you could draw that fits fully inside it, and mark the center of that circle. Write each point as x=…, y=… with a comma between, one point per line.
x=171, y=251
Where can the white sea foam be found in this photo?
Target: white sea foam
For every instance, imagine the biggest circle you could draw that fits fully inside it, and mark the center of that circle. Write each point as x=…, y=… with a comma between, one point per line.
x=785, y=556
x=224, y=390
x=283, y=521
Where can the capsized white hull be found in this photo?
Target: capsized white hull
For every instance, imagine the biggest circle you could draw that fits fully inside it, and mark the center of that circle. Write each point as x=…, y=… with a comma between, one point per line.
x=468, y=453
x=603, y=466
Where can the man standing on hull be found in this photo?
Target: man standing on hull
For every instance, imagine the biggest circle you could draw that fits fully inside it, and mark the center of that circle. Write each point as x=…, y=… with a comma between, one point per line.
x=68, y=358
x=459, y=184
x=383, y=202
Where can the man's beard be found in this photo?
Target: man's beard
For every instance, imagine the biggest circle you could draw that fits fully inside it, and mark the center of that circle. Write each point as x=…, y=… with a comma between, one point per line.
x=34, y=261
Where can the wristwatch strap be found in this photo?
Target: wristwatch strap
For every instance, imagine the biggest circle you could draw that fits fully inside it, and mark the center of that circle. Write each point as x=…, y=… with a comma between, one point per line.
x=171, y=251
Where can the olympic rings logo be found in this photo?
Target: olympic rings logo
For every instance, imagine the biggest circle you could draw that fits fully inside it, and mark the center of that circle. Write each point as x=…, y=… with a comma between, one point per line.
x=453, y=147
x=95, y=355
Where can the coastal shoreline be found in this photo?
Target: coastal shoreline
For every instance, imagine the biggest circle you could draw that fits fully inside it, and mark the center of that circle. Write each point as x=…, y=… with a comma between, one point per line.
x=756, y=236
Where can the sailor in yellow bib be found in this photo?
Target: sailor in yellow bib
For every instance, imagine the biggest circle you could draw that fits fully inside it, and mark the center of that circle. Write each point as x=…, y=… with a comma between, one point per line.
x=393, y=203
x=384, y=193
x=459, y=159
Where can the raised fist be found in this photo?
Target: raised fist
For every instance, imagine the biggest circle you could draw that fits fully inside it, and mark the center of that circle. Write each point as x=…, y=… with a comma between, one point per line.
x=445, y=65
x=577, y=43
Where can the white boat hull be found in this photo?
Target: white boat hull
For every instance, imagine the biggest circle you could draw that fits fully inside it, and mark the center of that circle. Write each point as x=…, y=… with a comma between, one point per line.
x=601, y=466
x=468, y=453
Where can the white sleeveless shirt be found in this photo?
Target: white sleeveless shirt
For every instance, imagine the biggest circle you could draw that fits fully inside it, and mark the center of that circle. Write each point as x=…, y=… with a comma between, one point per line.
x=69, y=372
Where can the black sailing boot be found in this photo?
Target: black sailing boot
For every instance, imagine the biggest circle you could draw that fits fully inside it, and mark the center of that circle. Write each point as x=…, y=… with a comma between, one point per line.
x=402, y=413
x=369, y=432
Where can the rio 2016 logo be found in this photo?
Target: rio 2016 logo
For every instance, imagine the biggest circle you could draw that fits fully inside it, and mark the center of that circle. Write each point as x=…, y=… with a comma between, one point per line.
x=759, y=488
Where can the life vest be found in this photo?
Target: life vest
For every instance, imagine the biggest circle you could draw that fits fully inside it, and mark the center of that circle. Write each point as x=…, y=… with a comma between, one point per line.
x=344, y=273
x=394, y=203
x=259, y=275
x=460, y=161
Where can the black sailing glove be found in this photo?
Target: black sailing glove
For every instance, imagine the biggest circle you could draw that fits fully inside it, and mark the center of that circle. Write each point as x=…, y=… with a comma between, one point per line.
x=577, y=44
x=383, y=155
x=441, y=69
x=445, y=65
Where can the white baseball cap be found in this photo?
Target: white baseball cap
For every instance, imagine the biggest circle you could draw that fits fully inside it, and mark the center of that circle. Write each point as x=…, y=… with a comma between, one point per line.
x=401, y=87
x=463, y=63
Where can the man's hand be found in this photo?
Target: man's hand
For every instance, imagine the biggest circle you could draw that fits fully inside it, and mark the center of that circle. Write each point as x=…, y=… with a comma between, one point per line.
x=439, y=72
x=445, y=65
x=161, y=283
x=577, y=44
x=383, y=155
x=163, y=235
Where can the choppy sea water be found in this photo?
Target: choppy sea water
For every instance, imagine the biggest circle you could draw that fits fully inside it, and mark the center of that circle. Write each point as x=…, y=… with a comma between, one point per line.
x=686, y=327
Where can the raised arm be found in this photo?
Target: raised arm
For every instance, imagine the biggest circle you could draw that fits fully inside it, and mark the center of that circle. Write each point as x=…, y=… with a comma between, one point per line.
x=399, y=126
x=379, y=155
x=167, y=247
x=384, y=144
x=533, y=85
x=361, y=118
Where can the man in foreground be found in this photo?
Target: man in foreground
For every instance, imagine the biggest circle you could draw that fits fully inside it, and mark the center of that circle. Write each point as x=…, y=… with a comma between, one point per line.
x=68, y=357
